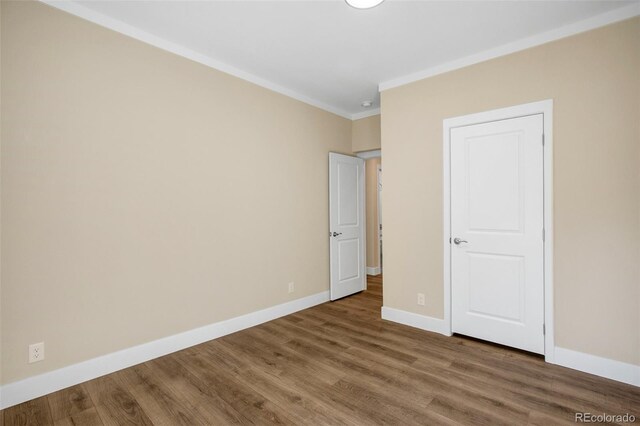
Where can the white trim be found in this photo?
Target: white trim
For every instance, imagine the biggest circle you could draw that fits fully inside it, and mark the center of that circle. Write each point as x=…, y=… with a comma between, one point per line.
x=34, y=387
x=549, y=315
x=423, y=322
x=597, y=21
x=536, y=40
x=379, y=224
x=546, y=109
x=369, y=154
x=373, y=270
x=365, y=114
x=159, y=42
x=603, y=367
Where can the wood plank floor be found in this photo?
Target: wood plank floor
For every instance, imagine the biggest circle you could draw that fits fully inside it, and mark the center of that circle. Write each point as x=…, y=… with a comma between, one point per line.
x=334, y=364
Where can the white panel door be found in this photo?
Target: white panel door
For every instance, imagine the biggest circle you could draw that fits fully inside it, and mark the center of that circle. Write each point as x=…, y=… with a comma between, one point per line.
x=346, y=225
x=497, y=220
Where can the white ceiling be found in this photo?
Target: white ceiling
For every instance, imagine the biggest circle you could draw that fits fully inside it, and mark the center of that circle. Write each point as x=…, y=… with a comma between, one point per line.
x=333, y=56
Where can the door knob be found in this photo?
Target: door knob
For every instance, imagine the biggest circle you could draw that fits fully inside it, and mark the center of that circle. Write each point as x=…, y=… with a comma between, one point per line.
x=335, y=234
x=459, y=241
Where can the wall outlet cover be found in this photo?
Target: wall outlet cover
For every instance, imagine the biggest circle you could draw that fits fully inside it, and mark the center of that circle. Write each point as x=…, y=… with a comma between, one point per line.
x=36, y=352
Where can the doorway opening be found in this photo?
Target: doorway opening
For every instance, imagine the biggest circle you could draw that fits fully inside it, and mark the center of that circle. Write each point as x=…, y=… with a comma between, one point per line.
x=373, y=188
x=355, y=222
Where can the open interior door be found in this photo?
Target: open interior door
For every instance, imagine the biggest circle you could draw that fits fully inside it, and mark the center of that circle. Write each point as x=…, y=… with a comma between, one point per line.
x=347, y=227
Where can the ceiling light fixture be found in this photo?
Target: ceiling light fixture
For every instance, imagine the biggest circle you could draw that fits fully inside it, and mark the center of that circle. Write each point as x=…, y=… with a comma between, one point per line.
x=363, y=4
x=366, y=104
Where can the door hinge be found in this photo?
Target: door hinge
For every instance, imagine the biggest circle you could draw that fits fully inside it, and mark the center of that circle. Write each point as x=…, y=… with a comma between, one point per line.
x=544, y=329
x=542, y=234
x=449, y=240
x=543, y=139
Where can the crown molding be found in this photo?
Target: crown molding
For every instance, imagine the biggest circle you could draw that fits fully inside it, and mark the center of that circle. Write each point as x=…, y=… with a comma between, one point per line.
x=83, y=12
x=597, y=21
x=365, y=155
x=365, y=114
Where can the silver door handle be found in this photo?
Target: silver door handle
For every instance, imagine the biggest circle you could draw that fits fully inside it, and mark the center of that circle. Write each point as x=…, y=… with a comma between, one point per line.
x=459, y=241
x=335, y=234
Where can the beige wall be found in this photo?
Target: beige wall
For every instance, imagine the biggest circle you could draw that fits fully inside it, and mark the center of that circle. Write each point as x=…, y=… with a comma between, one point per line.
x=131, y=209
x=594, y=80
x=365, y=134
x=371, y=184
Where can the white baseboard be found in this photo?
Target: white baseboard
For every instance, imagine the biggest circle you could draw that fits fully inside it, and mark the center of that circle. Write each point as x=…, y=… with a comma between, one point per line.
x=422, y=322
x=603, y=367
x=34, y=387
x=373, y=270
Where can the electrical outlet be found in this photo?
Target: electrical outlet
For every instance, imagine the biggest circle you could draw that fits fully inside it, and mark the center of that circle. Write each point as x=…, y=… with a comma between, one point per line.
x=36, y=352
x=421, y=299
x=292, y=287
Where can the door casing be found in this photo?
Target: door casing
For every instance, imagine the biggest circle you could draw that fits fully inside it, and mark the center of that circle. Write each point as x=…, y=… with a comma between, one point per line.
x=379, y=233
x=546, y=109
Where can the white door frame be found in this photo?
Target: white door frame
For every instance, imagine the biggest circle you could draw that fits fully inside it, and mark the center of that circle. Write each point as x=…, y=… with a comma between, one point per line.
x=379, y=231
x=546, y=109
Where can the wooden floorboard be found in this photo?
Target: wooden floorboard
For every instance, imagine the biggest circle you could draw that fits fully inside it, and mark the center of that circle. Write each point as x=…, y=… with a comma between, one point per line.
x=335, y=364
